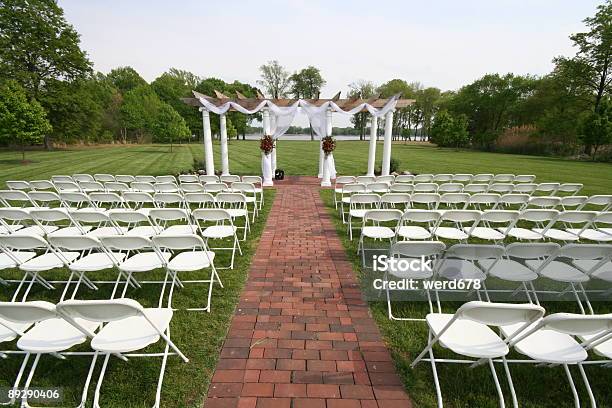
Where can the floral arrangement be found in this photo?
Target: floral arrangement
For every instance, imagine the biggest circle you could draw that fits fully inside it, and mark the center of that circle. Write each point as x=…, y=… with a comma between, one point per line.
x=266, y=144
x=329, y=145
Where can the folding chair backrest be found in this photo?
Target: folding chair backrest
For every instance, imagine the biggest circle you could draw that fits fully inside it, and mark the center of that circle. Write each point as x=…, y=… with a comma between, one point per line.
x=138, y=197
x=91, y=186
x=125, y=178
x=455, y=199
x=573, y=201
x=204, y=178
x=74, y=243
x=103, y=177
x=503, y=178
x=395, y=198
x=188, y=178
x=126, y=243
x=365, y=179
x=475, y=252
x=429, y=199
x=242, y=187
x=538, y=250
x=168, y=214
x=377, y=187
x=537, y=215
x=16, y=195
x=550, y=188
x=577, y=324
x=571, y=188
x=165, y=179
x=116, y=186
x=420, y=216
x=168, y=198
x=526, y=188
x=50, y=214
x=390, y=179
x=600, y=200
x=178, y=242
x=18, y=185
x=361, y=199
x=44, y=197
x=200, y=198
x=442, y=178
x=90, y=217
x=14, y=214
x=192, y=187
x=499, y=314
x=27, y=312
x=353, y=188
x=61, y=186
x=524, y=178
x=462, y=178
x=339, y=180
x=499, y=216
x=425, y=187
x=61, y=178
x=484, y=178
x=586, y=251
x=143, y=186
x=490, y=199
x=144, y=179
x=231, y=198
x=423, y=178
x=404, y=178
x=514, y=199
x=42, y=185
x=215, y=187
x=417, y=248
x=384, y=215
x=99, y=199
x=23, y=242
x=82, y=177
x=604, y=218
x=576, y=217
x=401, y=188
x=450, y=188
x=258, y=181
x=167, y=187
x=127, y=216
x=460, y=216
x=100, y=310
x=475, y=188
x=501, y=188
x=544, y=202
x=229, y=178
x=211, y=214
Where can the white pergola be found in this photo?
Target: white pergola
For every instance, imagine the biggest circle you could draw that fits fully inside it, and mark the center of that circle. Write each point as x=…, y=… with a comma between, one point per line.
x=273, y=111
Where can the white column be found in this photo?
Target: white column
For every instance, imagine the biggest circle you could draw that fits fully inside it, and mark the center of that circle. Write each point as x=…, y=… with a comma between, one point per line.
x=208, y=149
x=266, y=161
x=273, y=129
x=386, y=161
x=224, y=152
x=321, y=159
x=372, y=151
x=327, y=159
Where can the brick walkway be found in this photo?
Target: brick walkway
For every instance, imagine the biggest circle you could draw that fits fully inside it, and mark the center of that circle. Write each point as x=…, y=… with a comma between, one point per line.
x=301, y=336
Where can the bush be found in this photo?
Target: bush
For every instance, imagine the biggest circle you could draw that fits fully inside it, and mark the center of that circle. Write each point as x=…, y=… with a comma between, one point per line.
x=394, y=165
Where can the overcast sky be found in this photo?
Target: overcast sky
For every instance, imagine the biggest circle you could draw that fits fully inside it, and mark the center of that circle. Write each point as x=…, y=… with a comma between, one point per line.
x=442, y=43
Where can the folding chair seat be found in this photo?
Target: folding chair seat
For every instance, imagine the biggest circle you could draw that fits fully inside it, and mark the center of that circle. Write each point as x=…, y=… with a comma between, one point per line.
x=359, y=204
x=399, y=201
x=404, y=178
x=61, y=178
x=401, y=188
x=11, y=217
x=475, y=188
x=53, y=217
x=488, y=226
x=217, y=224
x=552, y=340
x=205, y=179
x=139, y=201
x=17, y=198
x=237, y=206
x=142, y=186
x=524, y=178
x=345, y=198
x=547, y=189
x=103, y=177
x=568, y=220
x=250, y=194
x=428, y=200
x=526, y=188
x=106, y=201
x=468, y=334
x=597, y=232
x=543, y=202
x=425, y=187
x=598, y=267
x=18, y=185
x=125, y=178
x=168, y=200
x=462, y=178
x=145, y=179
x=465, y=261
x=128, y=327
x=195, y=256
x=512, y=201
x=503, y=178
x=389, y=179
x=457, y=220
x=90, y=186
x=450, y=188
x=200, y=200
x=453, y=201
x=377, y=188
x=569, y=188
x=191, y=188
x=168, y=187
x=116, y=187
x=501, y=188
x=229, y=179
x=423, y=178
x=215, y=188
x=45, y=199
x=600, y=202
x=77, y=201
x=98, y=222
x=482, y=178
x=442, y=178
x=257, y=182
x=483, y=201
x=166, y=219
x=42, y=185
x=165, y=179
x=371, y=227
x=188, y=178
x=365, y=179
x=572, y=202
x=538, y=218
x=409, y=231
x=133, y=223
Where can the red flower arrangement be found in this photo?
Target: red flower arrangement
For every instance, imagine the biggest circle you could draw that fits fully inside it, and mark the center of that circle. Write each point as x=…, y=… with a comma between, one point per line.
x=328, y=145
x=266, y=144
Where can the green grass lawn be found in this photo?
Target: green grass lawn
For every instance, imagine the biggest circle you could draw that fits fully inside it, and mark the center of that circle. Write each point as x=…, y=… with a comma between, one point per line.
x=299, y=158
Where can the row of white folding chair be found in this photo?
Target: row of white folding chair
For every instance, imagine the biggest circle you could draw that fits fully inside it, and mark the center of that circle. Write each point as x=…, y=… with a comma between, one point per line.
x=118, y=327
x=440, y=178
x=557, y=339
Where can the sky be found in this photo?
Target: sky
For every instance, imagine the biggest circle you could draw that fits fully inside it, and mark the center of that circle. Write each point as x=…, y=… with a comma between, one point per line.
x=441, y=43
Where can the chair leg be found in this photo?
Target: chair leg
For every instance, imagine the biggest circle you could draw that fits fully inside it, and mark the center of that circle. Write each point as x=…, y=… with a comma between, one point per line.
x=586, y=298
x=510, y=383
x=587, y=385
x=88, y=380
x=572, y=386
x=161, y=377
x=434, y=371
x=26, y=386
x=96, y=401
x=24, y=364
x=500, y=394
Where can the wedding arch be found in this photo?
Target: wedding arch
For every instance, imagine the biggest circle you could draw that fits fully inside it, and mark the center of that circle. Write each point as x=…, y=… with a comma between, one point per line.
x=277, y=116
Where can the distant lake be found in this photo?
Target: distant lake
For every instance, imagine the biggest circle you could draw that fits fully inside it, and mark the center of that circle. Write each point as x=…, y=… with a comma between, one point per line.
x=307, y=137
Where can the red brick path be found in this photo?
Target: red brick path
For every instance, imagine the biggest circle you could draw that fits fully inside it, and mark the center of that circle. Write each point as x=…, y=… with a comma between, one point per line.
x=301, y=336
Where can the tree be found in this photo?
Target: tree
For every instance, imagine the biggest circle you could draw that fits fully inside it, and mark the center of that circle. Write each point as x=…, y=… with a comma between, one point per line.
x=401, y=119
x=597, y=129
x=38, y=45
x=138, y=111
x=449, y=131
x=364, y=90
x=275, y=79
x=21, y=120
x=307, y=83
x=168, y=126
x=173, y=85
x=125, y=79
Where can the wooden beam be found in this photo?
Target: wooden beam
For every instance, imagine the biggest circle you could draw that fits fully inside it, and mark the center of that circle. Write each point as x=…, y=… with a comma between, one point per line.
x=259, y=95
x=240, y=96
x=219, y=95
x=336, y=97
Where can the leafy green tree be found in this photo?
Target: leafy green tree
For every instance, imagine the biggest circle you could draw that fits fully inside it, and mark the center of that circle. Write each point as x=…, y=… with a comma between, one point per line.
x=138, y=111
x=173, y=85
x=168, y=126
x=38, y=45
x=448, y=130
x=125, y=79
x=275, y=79
x=361, y=89
x=21, y=121
x=307, y=83
x=597, y=129
x=401, y=118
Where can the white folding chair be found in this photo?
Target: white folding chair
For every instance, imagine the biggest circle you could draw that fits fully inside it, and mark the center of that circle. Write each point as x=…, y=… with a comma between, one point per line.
x=524, y=178
x=462, y=178
x=425, y=187
x=416, y=224
x=475, y=188
x=467, y=333
x=428, y=200
x=525, y=188
x=547, y=188
x=512, y=201
x=61, y=178
x=569, y=189
x=453, y=201
x=442, y=178
x=191, y=188
x=401, y=188
x=345, y=195
x=145, y=179
x=572, y=202
x=172, y=221
x=106, y=201
x=169, y=200
x=563, y=227
x=165, y=180
x=597, y=232
x=18, y=185
x=98, y=223
x=450, y=188
x=188, y=178
x=236, y=205
x=483, y=201
x=389, y=179
x=493, y=225
x=250, y=194
x=75, y=200
x=11, y=197
x=536, y=217
x=404, y=178
x=139, y=201
x=116, y=187
x=42, y=185
x=399, y=201
x=90, y=186
x=168, y=187
x=365, y=179
x=377, y=187
x=601, y=202
x=215, y=187
x=133, y=223
x=129, y=327
x=229, y=179
x=359, y=204
x=45, y=199
x=423, y=178
x=54, y=217
x=216, y=224
x=452, y=224
x=200, y=200
x=543, y=202
x=125, y=178
x=143, y=186
x=205, y=179
x=501, y=188
x=103, y=177
x=482, y=178
x=503, y=178
x=257, y=182
x=17, y=220
x=371, y=228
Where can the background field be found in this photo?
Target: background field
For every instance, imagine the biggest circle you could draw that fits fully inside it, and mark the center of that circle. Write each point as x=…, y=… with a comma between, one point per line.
x=299, y=158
